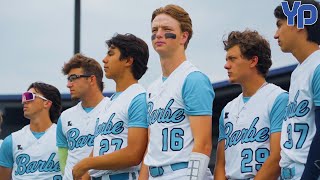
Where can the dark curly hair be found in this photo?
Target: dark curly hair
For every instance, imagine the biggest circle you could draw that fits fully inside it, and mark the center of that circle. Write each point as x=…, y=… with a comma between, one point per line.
x=251, y=44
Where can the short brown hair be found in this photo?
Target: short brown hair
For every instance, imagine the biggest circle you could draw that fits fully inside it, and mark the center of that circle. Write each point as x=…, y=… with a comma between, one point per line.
x=179, y=14
x=89, y=65
x=251, y=43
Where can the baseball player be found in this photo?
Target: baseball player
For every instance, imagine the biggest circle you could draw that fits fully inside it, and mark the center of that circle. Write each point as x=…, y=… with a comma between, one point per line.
x=121, y=133
x=179, y=105
x=75, y=128
x=31, y=153
x=300, y=137
x=250, y=125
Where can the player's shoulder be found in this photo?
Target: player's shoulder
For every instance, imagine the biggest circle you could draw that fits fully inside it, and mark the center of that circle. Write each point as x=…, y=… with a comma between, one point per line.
x=155, y=84
x=234, y=102
x=8, y=138
x=316, y=75
x=21, y=132
x=196, y=79
x=273, y=92
x=197, y=75
x=136, y=89
x=72, y=110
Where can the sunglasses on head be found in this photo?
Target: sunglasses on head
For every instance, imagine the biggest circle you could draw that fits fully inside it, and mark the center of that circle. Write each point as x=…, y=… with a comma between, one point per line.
x=29, y=96
x=73, y=77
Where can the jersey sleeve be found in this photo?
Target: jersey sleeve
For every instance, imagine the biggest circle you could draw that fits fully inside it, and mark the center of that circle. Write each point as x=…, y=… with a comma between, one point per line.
x=138, y=112
x=198, y=94
x=278, y=112
x=316, y=86
x=61, y=138
x=6, y=154
x=222, y=134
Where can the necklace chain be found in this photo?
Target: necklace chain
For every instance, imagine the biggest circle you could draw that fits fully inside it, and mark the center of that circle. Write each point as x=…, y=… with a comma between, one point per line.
x=240, y=99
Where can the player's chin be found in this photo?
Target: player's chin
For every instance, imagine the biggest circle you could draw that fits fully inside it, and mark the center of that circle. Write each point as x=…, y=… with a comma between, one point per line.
x=26, y=115
x=74, y=97
x=232, y=80
x=108, y=75
x=285, y=50
x=160, y=50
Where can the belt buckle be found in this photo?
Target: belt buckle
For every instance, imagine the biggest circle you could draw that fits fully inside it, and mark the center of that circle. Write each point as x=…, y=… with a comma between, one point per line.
x=156, y=171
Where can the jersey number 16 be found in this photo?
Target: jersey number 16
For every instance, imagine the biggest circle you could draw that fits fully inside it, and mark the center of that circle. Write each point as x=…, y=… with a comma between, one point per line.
x=174, y=139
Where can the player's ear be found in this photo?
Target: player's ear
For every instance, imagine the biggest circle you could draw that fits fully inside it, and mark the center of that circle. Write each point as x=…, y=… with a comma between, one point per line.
x=93, y=78
x=254, y=61
x=47, y=104
x=185, y=36
x=129, y=61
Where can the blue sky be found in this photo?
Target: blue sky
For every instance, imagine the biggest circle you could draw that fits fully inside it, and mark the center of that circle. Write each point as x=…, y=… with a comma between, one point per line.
x=36, y=36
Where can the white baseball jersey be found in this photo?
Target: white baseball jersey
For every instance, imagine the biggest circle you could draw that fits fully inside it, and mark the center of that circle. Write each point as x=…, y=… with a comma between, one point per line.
x=78, y=128
x=247, y=132
x=112, y=128
x=35, y=158
x=170, y=139
x=299, y=128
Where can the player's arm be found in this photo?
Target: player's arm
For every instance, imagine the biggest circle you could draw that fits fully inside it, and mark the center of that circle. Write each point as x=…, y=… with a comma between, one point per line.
x=201, y=127
x=144, y=170
x=62, y=146
x=63, y=154
x=198, y=95
x=86, y=175
x=312, y=167
x=199, y=159
x=219, y=170
x=6, y=158
x=131, y=155
x=270, y=168
x=5, y=173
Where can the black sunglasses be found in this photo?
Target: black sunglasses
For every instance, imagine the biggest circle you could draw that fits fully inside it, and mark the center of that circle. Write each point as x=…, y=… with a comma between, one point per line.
x=73, y=77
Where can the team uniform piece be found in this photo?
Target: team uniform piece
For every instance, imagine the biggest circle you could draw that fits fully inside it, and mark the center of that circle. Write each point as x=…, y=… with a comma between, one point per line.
x=31, y=155
x=75, y=131
x=299, y=127
x=246, y=124
x=186, y=92
x=125, y=110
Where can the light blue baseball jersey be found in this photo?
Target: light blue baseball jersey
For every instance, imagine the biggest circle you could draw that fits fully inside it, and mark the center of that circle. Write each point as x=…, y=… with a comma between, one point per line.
x=186, y=92
x=127, y=109
x=299, y=127
x=75, y=131
x=31, y=155
x=246, y=125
